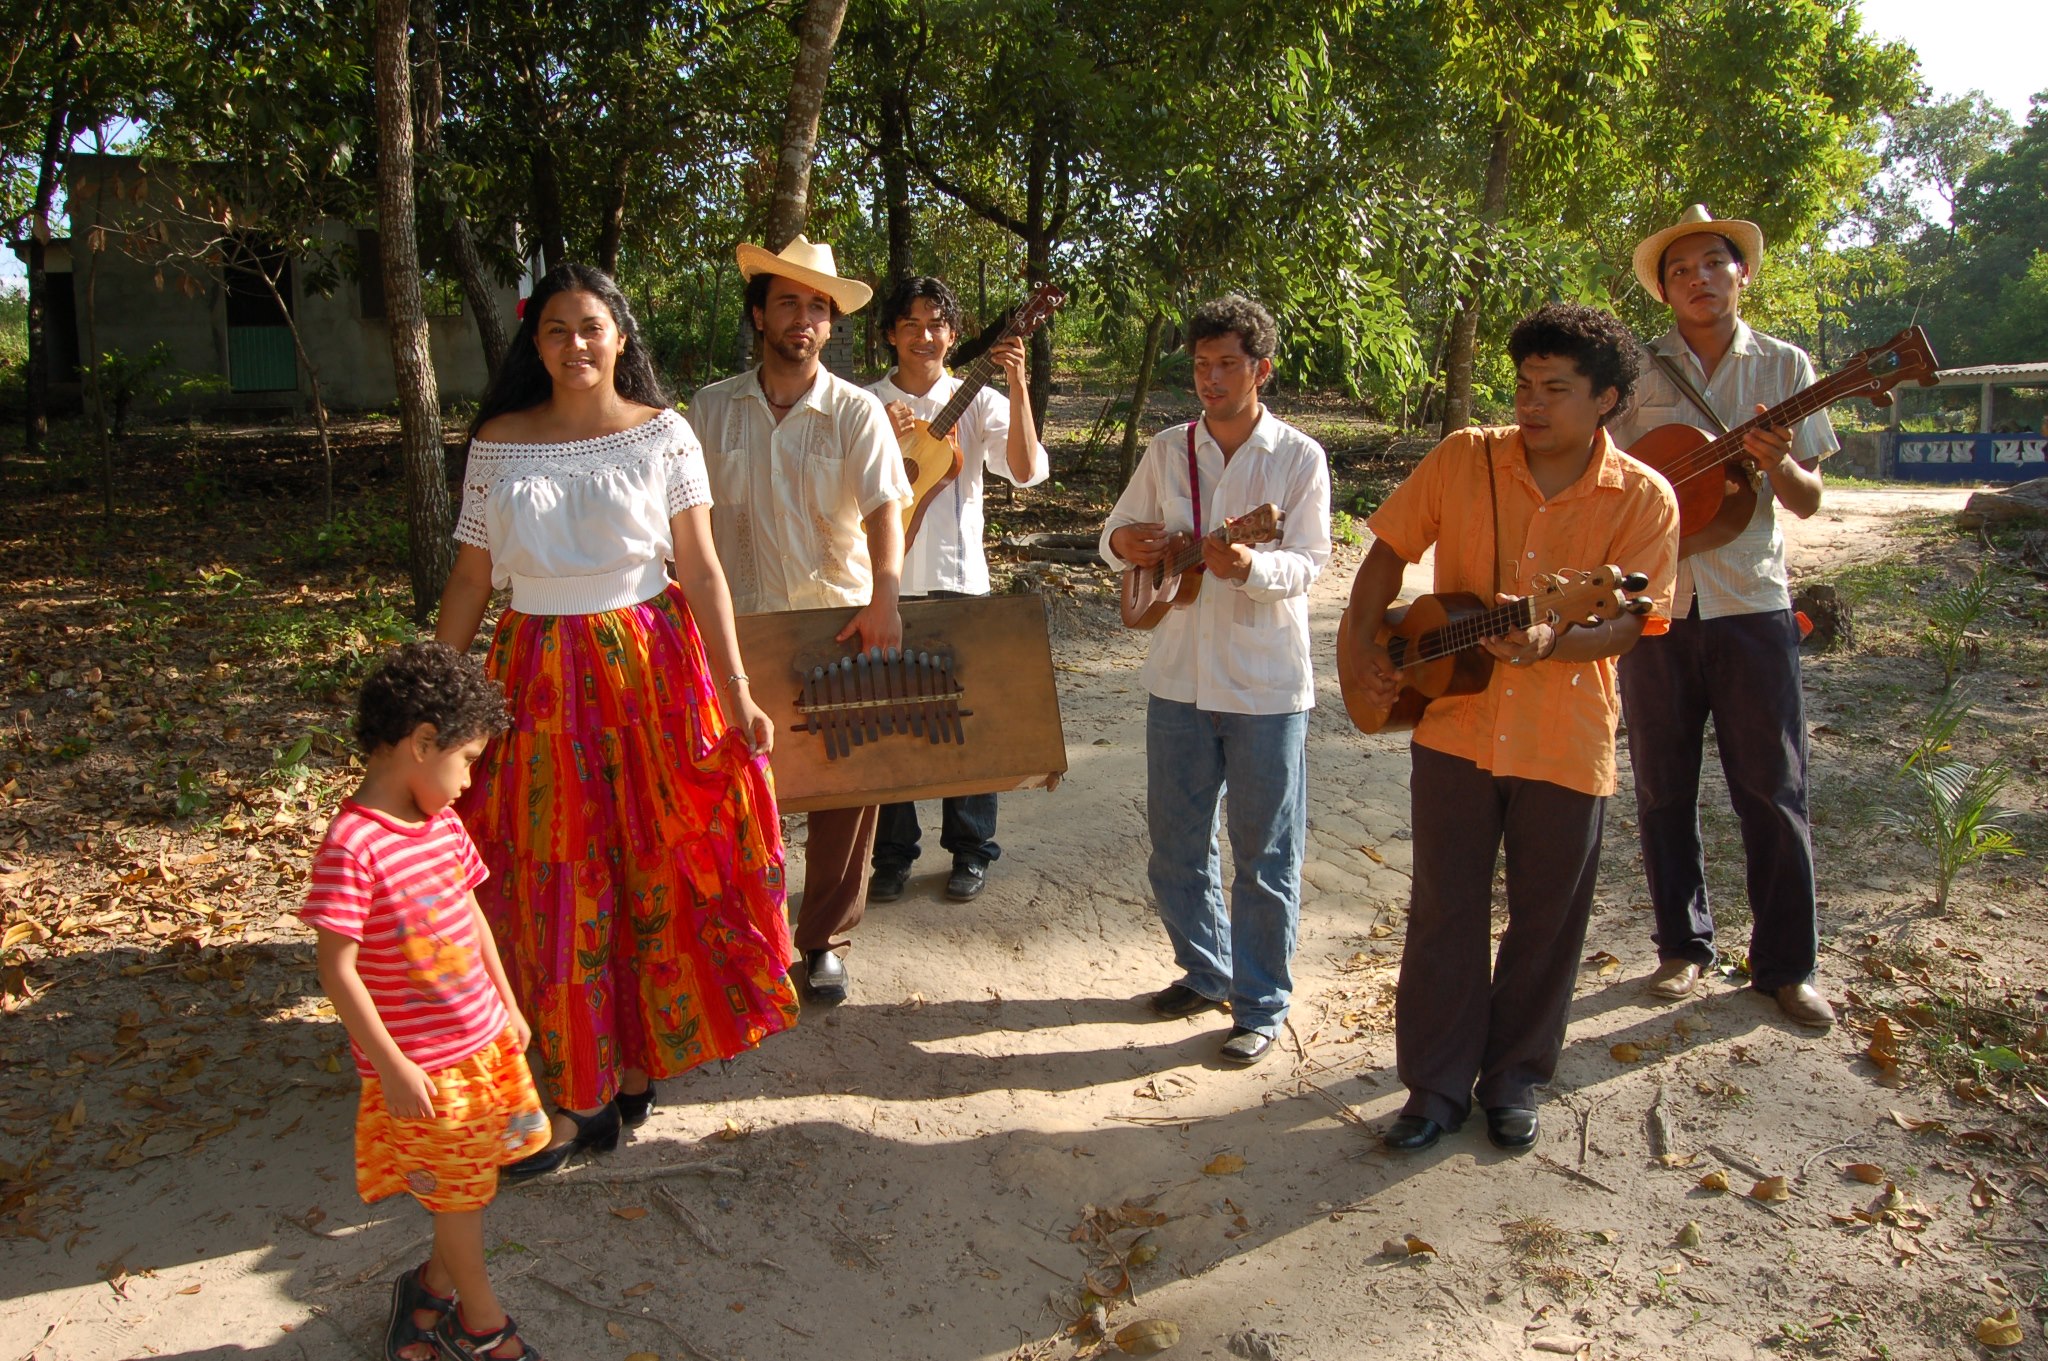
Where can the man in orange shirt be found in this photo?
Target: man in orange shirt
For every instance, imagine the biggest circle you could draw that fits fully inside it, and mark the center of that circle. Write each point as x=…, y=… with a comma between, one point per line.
x=1529, y=760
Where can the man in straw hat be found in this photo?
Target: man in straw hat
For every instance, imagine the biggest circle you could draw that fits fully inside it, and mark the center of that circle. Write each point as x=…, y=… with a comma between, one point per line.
x=1733, y=648
x=805, y=477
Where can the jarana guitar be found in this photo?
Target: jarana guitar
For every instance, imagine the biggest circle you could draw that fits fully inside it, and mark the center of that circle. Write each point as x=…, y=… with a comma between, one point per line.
x=1436, y=638
x=1716, y=482
x=1176, y=579
x=931, y=449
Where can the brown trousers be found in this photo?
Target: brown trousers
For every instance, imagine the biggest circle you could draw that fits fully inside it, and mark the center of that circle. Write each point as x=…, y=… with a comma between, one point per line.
x=1460, y=1016
x=835, y=895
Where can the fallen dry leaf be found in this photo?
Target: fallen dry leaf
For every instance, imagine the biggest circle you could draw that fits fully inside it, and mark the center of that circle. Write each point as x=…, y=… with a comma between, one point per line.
x=632, y=1292
x=1717, y=1180
x=1982, y=1194
x=2000, y=1330
x=1147, y=1337
x=1915, y=1125
x=630, y=1211
x=1409, y=1246
x=1771, y=1188
x=189, y=1290
x=1870, y=1174
x=616, y=1330
x=1223, y=1165
x=643, y=1356
x=1604, y=963
x=1563, y=1346
x=1626, y=1053
x=1689, y=1235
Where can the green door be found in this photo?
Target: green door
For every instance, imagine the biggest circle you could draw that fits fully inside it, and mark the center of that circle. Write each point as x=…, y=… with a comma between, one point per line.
x=260, y=359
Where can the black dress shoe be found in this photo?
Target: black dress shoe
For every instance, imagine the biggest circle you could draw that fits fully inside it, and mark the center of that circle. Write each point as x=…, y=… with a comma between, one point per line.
x=1245, y=1047
x=1411, y=1134
x=887, y=883
x=599, y=1131
x=968, y=879
x=634, y=1106
x=1511, y=1127
x=1179, y=1001
x=825, y=977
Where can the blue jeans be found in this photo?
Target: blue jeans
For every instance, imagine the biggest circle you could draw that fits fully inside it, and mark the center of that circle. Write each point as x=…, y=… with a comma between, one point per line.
x=1243, y=955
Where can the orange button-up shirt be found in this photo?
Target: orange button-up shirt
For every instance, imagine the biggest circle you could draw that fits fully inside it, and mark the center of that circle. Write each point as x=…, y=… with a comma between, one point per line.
x=1554, y=720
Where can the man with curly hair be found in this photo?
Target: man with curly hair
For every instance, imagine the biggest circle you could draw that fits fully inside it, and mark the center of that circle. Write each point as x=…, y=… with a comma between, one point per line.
x=1229, y=679
x=1528, y=762
x=1733, y=649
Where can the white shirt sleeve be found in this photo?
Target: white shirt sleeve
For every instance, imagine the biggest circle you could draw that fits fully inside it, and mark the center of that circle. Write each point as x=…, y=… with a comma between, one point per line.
x=689, y=481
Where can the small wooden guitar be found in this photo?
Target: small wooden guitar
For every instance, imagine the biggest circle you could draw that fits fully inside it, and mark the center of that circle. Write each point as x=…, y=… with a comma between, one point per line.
x=931, y=449
x=1176, y=579
x=1716, y=482
x=1435, y=640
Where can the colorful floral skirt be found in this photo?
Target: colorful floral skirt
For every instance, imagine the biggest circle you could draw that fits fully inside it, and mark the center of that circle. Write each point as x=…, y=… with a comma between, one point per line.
x=636, y=888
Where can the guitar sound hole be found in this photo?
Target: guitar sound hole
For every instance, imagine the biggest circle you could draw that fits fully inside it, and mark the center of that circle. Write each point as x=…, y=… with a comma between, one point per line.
x=910, y=469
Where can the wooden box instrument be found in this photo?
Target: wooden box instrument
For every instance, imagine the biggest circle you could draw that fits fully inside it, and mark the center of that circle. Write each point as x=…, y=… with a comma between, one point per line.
x=966, y=706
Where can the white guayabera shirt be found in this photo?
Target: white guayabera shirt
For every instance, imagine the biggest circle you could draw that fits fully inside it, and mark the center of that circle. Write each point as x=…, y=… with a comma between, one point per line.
x=788, y=499
x=947, y=553
x=1242, y=647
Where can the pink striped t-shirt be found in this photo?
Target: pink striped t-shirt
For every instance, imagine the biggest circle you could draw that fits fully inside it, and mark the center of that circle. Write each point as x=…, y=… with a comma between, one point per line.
x=401, y=891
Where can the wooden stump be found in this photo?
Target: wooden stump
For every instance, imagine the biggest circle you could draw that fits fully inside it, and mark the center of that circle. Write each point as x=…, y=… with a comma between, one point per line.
x=1825, y=609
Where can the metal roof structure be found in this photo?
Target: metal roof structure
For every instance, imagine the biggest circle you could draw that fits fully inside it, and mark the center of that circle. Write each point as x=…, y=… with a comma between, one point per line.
x=1997, y=375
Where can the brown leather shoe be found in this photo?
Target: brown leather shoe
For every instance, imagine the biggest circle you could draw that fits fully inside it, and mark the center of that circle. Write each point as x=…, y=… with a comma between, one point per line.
x=1804, y=1004
x=1674, y=980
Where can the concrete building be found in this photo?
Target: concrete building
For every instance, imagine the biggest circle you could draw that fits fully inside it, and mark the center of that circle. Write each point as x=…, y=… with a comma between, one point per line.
x=146, y=284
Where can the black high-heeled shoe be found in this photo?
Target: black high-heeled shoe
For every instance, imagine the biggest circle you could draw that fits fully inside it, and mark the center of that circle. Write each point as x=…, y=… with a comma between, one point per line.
x=635, y=1106
x=599, y=1132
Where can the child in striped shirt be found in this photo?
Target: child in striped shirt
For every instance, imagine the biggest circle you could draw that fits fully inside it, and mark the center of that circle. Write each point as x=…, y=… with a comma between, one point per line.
x=414, y=974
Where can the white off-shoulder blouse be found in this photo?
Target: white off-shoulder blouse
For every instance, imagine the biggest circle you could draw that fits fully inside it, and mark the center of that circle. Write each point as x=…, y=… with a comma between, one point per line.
x=582, y=527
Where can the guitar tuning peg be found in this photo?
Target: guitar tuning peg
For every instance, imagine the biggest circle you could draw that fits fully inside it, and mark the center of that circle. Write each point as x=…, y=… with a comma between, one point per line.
x=1635, y=581
x=1641, y=604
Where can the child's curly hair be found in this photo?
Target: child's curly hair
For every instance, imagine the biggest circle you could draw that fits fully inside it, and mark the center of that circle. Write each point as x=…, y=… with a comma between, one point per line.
x=428, y=683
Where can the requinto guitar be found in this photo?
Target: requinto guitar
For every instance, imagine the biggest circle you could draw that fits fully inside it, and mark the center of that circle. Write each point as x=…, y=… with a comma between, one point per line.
x=1716, y=482
x=1435, y=640
x=931, y=449
x=1176, y=579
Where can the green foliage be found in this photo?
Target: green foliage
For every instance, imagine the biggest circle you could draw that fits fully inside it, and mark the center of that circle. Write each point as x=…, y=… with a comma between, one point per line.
x=148, y=377
x=1346, y=530
x=1951, y=804
x=13, y=337
x=1952, y=614
x=354, y=537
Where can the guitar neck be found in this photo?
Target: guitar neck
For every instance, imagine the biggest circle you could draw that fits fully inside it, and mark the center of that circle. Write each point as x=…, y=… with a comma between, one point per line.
x=1179, y=562
x=1786, y=414
x=972, y=381
x=1467, y=632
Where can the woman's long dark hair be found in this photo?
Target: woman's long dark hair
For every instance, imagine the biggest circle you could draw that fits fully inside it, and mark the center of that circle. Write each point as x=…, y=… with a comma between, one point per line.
x=522, y=380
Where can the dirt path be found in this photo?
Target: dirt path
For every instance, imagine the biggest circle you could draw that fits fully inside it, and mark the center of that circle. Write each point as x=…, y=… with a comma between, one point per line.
x=903, y=1177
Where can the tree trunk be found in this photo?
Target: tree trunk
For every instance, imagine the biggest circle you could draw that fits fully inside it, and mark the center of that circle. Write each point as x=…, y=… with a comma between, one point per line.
x=1464, y=342
x=1038, y=262
x=462, y=251
x=477, y=292
x=613, y=225
x=817, y=34
x=547, y=205
x=896, y=186
x=38, y=418
x=419, y=406
x=1128, y=464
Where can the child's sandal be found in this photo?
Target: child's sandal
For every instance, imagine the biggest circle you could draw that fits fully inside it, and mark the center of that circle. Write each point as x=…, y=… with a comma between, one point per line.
x=410, y=1296
x=456, y=1338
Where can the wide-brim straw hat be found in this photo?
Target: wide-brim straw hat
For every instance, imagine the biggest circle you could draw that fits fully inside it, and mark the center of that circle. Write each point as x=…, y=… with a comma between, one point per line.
x=1747, y=236
x=810, y=263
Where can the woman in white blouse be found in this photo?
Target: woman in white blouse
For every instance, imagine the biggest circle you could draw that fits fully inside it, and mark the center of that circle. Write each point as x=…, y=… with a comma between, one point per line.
x=636, y=886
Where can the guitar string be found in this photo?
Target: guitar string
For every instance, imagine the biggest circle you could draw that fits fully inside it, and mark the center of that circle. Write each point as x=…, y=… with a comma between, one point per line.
x=973, y=381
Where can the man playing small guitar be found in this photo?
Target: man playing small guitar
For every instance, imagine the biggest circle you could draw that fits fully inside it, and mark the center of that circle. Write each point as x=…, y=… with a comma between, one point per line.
x=921, y=320
x=1529, y=759
x=1229, y=679
x=1733, y=648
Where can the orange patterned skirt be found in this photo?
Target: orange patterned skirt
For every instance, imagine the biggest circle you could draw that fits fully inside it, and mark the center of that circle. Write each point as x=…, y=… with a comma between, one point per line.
x=636, y=887
x=486, y=1114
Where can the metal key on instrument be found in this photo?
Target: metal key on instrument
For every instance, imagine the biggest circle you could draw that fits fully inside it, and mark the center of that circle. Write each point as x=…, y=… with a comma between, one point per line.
x=813, y=683
x=865, y=685
x=892, y=671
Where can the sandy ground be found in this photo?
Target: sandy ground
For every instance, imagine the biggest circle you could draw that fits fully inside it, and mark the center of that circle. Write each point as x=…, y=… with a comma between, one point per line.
x=903, y=1177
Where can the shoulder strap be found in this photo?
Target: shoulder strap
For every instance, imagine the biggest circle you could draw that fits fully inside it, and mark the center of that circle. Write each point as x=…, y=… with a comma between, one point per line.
x=1684, y=385
x=1493, y=505
x=1194, y=476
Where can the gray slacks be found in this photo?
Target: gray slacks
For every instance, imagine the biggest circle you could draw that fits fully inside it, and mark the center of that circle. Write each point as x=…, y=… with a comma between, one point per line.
x=1463, y=1016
